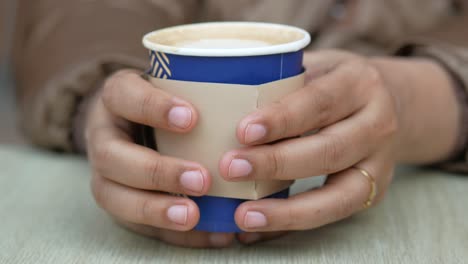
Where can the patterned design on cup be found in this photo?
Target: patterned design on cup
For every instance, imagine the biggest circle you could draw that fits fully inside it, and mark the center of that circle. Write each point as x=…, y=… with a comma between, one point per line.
x=159, y=65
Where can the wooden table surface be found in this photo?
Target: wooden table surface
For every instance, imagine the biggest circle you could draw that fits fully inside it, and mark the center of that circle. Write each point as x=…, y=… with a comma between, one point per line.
x=47, y=215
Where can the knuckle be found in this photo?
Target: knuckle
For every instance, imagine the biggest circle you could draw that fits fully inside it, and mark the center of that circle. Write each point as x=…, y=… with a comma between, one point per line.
x=107, y=91
x=147, y=107
x=110, y=89
x=332, y=154
x=389, y=127
x=323, y=101
x=103, y=152
x=292, y=121
x=345, y=205
x=98, y=190
x=393, y=123
x=275, y=163
x=352, y=68
x=282, y=114
x=374, y=77
x=384, y=126
x=144, y=212
x=372, y=80
x=154, y=169
x=292, y=219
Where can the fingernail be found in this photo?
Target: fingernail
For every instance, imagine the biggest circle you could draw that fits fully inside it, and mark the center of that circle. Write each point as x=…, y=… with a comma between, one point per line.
x=219, y=240
x=192, y=180
x=180, y=116
x=178, y=214
x=251, y=238
x=254, y=132
x=239, y=168
x=254, y=220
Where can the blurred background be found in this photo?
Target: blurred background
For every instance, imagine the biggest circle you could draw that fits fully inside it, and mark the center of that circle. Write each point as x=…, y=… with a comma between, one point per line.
x=8, y=133
x=449, y=31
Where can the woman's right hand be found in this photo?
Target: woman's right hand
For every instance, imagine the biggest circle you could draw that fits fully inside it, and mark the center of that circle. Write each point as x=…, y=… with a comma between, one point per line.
x=132, y=182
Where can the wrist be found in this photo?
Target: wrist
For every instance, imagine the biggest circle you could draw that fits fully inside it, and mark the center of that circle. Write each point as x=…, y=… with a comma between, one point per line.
x=427, y=108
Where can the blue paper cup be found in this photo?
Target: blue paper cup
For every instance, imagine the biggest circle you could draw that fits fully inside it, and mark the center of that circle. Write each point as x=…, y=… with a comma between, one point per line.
x=247, y=53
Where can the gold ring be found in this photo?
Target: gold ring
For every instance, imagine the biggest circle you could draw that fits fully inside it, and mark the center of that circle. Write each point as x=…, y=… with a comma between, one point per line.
x=373, y=187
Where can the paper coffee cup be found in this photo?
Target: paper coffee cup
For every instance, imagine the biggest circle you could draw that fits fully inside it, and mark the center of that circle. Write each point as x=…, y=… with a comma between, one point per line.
x=246, y=54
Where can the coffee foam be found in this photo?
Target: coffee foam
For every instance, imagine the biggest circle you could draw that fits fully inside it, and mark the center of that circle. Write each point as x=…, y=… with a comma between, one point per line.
x=229, y=36
x=222, y=43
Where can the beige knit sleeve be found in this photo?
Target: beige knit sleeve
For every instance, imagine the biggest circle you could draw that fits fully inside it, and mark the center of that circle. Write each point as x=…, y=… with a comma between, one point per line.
x=64, y=48
x=455, y=61
x=366, y=24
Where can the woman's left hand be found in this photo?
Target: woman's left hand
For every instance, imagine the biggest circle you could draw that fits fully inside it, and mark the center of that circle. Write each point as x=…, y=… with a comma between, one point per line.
x=358, y=115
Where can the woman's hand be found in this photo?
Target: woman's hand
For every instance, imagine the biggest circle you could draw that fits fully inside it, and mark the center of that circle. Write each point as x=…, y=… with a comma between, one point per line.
x=370, y=113
x=130, y=181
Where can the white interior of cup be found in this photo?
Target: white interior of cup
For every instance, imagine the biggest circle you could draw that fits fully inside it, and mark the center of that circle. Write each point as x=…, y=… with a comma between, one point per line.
x=258, y=38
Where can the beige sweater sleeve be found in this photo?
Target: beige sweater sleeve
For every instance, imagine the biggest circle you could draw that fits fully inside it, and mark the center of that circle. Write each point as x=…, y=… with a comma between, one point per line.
x=447, y=43
x=64, y=48
x=455, y=61
x=376, y=26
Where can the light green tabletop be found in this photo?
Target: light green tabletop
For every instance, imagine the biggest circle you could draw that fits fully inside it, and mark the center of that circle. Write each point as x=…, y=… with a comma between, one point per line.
x=47, y=215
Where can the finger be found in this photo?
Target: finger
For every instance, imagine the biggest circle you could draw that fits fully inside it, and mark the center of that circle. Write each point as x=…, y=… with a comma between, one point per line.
x=114, y=157
x=193, y=239
x=343, y=195
x=321, y=61
x=255, y=237
x=127, y=95
x=323, y=101
x=331, y=150
x=144, y=207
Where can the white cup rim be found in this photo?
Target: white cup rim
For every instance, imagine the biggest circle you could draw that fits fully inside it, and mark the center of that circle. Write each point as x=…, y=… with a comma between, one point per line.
x=292, y=46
